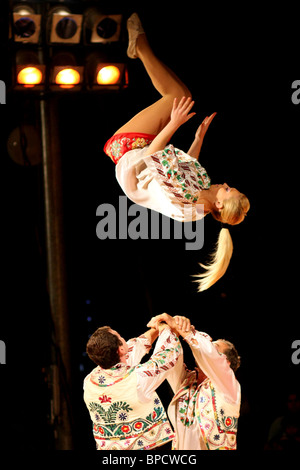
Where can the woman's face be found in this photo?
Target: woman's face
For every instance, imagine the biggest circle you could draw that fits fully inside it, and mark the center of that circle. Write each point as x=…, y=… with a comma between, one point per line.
x=226, y=192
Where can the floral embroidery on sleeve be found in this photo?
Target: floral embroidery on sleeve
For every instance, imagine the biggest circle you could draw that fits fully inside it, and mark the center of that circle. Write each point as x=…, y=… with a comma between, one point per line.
x=163, y=359
x=179, y=174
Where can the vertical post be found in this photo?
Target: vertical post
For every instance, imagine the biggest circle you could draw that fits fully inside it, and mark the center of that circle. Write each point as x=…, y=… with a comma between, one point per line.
x=56, y=272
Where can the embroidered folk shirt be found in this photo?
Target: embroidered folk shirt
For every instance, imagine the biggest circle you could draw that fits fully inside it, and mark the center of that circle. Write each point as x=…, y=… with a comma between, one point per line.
x=204, y=415
x=169, y=181
x=126, y=412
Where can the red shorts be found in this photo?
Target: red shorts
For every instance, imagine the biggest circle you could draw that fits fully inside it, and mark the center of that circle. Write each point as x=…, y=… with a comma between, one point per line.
x=119, y=144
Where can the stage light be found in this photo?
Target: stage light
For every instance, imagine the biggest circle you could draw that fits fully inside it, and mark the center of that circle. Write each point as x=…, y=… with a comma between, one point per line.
x=65, y=72
x=101, y=74
x=29, y=76
x=65, y=26
x=108, y=75
x=30, y=73
x=67, y=77
x=101, y=28
x=111, y=76
x=26, y=24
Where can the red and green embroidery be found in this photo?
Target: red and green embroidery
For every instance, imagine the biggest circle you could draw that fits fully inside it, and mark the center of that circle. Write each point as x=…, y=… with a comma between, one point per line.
x=187, y=405
x=180, y=174
x=114, y=420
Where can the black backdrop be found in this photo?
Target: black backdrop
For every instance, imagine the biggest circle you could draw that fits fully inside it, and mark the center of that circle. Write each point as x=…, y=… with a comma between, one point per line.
x=236, y=62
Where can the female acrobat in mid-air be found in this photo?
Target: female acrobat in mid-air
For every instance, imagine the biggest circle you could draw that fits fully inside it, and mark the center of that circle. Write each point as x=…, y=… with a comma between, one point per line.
x=158, y=176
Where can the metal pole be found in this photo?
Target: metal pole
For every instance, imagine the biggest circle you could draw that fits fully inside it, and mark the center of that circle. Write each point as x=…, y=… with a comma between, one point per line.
x=60, y=374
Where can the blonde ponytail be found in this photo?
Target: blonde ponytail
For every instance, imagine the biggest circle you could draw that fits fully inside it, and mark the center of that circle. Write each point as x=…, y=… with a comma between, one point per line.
x=219, y=262
x=233, y=212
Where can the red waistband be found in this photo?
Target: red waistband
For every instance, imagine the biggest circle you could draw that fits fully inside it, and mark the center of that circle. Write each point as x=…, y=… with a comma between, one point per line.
x=126, y=141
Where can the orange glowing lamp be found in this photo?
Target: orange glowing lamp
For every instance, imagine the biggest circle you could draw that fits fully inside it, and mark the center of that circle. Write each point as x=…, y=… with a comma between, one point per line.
x=108, y=75
x=67, y=78
x=30, y=76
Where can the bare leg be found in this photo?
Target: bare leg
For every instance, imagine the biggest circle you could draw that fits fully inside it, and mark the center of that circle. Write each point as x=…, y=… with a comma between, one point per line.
x=153, y=119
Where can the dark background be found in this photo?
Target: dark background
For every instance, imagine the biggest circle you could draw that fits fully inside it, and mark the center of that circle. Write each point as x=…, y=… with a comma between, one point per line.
x=239, y=62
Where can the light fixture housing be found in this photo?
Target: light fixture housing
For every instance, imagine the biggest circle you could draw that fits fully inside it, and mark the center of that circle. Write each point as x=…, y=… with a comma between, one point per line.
x=66, y=73
x=29, y=72
x=102, y=28
x=65, y=26
x=26, y=24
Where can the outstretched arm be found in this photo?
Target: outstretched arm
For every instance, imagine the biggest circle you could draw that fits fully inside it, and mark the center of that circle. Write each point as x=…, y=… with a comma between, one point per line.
x=179, y=325
x=167, y=353
x=213, y=363
x=179, y=115
x=151, y=334
x=196, y=146
x=138, y=347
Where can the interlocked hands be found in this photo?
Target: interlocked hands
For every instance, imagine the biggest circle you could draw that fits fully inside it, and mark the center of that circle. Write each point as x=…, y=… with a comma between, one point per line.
x=181, y=325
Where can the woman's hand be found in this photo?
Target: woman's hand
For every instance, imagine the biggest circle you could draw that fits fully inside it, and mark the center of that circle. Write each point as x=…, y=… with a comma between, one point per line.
x=196, y=146
x=181, y=111
x=179, y=115
x=202, y=129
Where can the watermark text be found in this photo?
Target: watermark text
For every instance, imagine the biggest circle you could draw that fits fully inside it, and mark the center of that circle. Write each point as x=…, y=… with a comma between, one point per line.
x=296, y=353
x=136, y=222
x=2, y=352
x=149, y=459
x=296, y=94
x=2, y=92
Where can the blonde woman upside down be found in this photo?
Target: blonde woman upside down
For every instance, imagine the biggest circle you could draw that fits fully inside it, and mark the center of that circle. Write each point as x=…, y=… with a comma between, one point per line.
x=156, y=175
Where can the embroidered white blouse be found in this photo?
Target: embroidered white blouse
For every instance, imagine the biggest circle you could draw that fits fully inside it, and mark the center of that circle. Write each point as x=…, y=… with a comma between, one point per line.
x=169, y=182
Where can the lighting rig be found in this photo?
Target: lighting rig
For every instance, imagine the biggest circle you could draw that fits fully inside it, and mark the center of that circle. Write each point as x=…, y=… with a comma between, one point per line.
x=57, y=48
x=66, y=46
